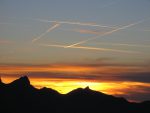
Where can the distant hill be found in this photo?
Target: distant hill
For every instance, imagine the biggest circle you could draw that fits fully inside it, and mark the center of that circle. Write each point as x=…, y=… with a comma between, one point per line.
x=21, y=97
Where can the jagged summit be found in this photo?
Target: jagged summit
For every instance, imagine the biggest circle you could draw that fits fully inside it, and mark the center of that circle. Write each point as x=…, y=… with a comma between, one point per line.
x=82, y=91
x=87, y=88
x=22, y=81
x=48, y=90
x=24, y=78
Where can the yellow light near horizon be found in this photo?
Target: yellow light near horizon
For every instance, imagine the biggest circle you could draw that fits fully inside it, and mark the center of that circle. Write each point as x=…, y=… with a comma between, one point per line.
x=66, y=85
x=109, y=87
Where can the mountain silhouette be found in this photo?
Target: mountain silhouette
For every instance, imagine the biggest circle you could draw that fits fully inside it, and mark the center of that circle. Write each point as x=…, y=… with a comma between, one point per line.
x=20, y=96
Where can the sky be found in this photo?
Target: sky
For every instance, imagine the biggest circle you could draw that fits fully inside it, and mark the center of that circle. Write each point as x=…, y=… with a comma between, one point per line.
x=66, y=44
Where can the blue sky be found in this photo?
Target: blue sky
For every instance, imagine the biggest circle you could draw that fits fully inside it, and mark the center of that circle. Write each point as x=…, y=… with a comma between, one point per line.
x=19, y=25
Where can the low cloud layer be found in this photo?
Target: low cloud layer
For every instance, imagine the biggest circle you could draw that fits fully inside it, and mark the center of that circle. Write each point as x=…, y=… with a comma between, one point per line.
x=97, y=72
x=129, y=81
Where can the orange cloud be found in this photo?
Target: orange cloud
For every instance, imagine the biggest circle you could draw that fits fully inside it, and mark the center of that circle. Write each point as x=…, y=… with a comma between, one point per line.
x=119, y=80
x=44, y=68
x=69, y=68
x=86, y=31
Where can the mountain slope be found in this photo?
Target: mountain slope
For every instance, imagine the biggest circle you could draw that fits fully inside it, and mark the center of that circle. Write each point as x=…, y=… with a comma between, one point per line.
x=21, y=97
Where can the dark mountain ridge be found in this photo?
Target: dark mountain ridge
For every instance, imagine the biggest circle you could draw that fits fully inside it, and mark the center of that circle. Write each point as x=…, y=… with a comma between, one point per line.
x=21, y=97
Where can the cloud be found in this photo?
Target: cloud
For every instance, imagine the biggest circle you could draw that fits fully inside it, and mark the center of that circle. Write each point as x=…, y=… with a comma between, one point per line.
x=133, y=90
x=129, y=81
x=140, y=76
x=104, y=71
x=136, y=92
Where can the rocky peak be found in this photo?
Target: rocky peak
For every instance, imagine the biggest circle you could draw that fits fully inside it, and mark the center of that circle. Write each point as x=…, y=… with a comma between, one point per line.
x=22, y=81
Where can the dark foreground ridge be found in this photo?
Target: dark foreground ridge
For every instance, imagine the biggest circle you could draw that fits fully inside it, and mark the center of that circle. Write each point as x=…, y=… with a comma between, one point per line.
x=21, y=97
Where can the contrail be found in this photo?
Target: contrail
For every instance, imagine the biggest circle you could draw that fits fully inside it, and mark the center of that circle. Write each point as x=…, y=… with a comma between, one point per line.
x=90, y=48
x=109, y=4
x=107, y=33
x=124, y=44
x=76, y=23
x=85, y=31
x=43, y=34
x=72, y=23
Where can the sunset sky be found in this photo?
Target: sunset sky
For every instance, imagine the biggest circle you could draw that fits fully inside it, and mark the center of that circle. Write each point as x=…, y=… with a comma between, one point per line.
x=66, y=44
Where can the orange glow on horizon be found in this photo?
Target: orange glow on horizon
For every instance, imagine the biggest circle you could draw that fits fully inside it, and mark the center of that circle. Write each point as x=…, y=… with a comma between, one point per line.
x=69, y=77
x=64, y=86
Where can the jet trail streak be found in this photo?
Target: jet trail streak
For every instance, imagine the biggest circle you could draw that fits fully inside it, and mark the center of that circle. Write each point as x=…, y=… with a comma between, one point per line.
x=43, y=34
x=122, y=44
x=90, y=48
x=107, y=33
x=76, y=23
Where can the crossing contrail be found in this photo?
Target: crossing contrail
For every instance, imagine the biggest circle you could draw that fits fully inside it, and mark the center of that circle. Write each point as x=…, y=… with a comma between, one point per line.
x=43, y=34
x=90, y=48
x=107, y=33
x=76, y=23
